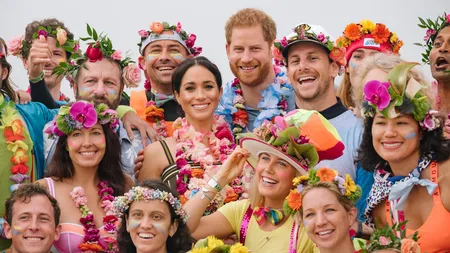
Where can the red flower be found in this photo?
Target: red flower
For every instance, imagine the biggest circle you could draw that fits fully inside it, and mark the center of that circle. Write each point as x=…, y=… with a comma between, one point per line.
x=224, y=132
x=94, y=53
x=241, y=115
x=109, y=218
x=20, y=168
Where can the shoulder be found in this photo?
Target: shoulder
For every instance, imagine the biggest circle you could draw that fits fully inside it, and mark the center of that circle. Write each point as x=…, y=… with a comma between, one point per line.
x=42, y=182
x=129, y=183
x=237, y=208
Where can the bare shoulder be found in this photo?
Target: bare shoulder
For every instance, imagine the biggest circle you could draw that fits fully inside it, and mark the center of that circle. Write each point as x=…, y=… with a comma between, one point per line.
x=155, y=159
x=129, y=183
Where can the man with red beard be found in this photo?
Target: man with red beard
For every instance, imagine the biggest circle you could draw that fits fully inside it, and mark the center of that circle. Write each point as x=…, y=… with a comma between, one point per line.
x=162, y=48
x=260, y=90
x=437, y=54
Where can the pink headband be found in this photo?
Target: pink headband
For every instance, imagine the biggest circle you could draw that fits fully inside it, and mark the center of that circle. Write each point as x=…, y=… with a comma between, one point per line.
x=367, y=42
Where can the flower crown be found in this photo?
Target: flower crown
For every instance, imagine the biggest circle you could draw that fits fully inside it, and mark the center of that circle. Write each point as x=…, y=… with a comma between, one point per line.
x=155, y=33
x=212, y=244
x=366, y=28
x=433, y=28
x=386, y=238
x=347, y=187
x=99, y=45
x=304, y=32
x=137, y=193
x=396, y=95
x=81, y=114
x=19, y=47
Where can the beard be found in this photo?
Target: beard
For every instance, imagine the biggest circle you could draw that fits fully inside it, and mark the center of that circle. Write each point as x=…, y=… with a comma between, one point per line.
x=100, y=99
x=263, y=72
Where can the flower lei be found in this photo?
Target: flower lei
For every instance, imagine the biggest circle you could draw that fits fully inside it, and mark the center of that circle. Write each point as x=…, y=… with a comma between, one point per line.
x=387, y=97
x=82, y=114
x=92, y=234
x=99, y=45
x=13, y=130
x=155, y=115
x=156, y=28
x=378, y=31
x=347, y=187
x=191, y=148
x=211, y=243
x=433, y=28
x=138, y=193
x=19, y=47
x=276, y=106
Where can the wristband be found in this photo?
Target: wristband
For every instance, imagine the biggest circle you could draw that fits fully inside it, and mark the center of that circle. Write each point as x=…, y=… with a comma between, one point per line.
x=213, y=183
x=204, y=192
x=38, y=79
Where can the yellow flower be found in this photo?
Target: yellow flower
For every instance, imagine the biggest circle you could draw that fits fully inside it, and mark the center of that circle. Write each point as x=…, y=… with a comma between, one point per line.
x=300, y=179
x=393, y=38
x=200, y=250
x=238, y=248
x=213, y=242
x=367, y=26
x=13, y=146
x=350, y=185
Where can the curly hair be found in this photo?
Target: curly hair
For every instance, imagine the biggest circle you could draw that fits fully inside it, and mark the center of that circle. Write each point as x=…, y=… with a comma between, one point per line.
x=6, y=88
x=249, y=17
x=180, y=242
x=33, y=28
x=431, y=141
x=109, y=169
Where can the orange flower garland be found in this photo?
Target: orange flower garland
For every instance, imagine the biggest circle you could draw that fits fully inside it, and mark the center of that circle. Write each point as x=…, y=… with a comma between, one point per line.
x=326, y=175
x=352, y=31
x=294, y=200
x=381, y=34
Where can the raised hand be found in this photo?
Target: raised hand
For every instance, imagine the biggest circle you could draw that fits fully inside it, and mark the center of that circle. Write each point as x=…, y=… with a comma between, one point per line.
x=40, y=54
x=232, y=167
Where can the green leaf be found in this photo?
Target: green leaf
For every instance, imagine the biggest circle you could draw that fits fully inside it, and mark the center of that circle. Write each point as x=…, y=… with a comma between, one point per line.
x=422, y=21
x=94, y=34
x=283, y=137
x=306, y=151
x=422, y=26
x=68, y=49
x=397, y=76
x=418, y=44
x=85, y=38
x=89, y=30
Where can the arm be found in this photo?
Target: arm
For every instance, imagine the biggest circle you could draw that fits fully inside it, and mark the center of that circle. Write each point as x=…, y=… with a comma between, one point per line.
x=40, y=93
x=131, y=120
x=129, y=183
x=196, y=206
x=154, y=162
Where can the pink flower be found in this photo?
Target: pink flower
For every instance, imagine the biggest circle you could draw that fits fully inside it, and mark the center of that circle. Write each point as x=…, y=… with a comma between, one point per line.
x=143, y=33
x=283, y=104
x=43, y=33
x=321, y=37
x=178, y=27
x=76, y=47
x=117, y=55
x=191, y=40
x=277, y=54
x=385, y=241
x=284, y=42
x=448, y=18
x=84, y=113
x=429, y=33
x=15, y=45
x=430, y=122
x=132, y=75
x=147, y=84
x=197, y=51
x=376, y=93
x=224, y=132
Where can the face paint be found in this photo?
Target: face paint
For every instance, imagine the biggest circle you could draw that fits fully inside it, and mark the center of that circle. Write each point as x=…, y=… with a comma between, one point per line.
x=70, y=145
x=151, y=57
x=161, y=229
x=16, y=230
x=411, y=135
x=133, y=224
x=352, y=65
x=177, y=56
x=112, y=95
x=83, y=91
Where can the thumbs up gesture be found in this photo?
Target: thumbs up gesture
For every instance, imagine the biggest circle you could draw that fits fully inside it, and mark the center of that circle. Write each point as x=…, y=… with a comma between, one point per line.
x=40, y=54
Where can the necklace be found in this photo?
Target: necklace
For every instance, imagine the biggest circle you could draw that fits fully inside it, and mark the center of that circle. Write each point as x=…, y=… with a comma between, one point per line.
x=92, y=234
x=191, y=148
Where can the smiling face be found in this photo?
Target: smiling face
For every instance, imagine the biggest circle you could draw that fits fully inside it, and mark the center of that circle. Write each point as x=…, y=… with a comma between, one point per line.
x=199, y=94
x=87, y=147
x=99, y=82
x=274, y=176
x=356, y=60
x=149, y=224
x=310, y=71
x=326, y=220
x=249, y=55
x=33, y=226
x=396, y=139
x=440, y=56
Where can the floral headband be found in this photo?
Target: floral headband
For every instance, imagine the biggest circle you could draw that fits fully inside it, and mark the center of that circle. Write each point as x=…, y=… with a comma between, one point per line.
x=396, y=95
x=347, y=187
x=137, y=193
x=19, y=47
x=433, y=28
x=82, y=114
x=99, y=45
x=305, y=32
x=386, y=238
x=212, y=244
x=367, y=34
x=155, y=33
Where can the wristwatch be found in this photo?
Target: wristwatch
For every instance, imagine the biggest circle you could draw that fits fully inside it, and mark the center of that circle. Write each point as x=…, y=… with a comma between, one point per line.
x=213, y=183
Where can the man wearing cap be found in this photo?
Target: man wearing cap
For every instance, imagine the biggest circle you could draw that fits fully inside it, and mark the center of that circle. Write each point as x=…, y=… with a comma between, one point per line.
x=162, y=48
x=260, y=90
x=361, y=41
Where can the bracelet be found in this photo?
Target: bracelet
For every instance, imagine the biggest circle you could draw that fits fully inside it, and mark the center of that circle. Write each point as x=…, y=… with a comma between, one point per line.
x=204, y=192
x=213, y=183
x=38, y=79
x=359, y=233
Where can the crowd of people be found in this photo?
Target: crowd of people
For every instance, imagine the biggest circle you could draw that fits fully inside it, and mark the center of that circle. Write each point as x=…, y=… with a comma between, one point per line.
x=275, y=160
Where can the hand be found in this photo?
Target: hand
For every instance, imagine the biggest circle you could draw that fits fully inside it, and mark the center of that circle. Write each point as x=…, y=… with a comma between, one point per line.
x=138, y=163
x=23, y=97
x=131, y=120
x=40, y=54
x=232, y=167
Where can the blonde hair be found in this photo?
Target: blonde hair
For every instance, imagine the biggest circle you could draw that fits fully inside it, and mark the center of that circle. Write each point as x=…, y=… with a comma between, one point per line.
x=384, y=62
x=344, y=91
x=249, y=17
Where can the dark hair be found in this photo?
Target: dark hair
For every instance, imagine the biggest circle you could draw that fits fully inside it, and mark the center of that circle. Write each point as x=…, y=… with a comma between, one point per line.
x=431, y=141
x=181, y=70
x=24, y=194
x=6, y=88
x=109, y=169
x=33, y=28
x=180, y=242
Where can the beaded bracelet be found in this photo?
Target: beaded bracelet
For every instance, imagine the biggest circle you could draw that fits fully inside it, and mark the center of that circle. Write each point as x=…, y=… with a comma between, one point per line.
x=38, y=79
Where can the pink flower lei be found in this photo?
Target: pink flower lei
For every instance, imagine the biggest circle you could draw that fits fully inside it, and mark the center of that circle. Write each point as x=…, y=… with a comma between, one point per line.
x=190, y=148
x=92, y=234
